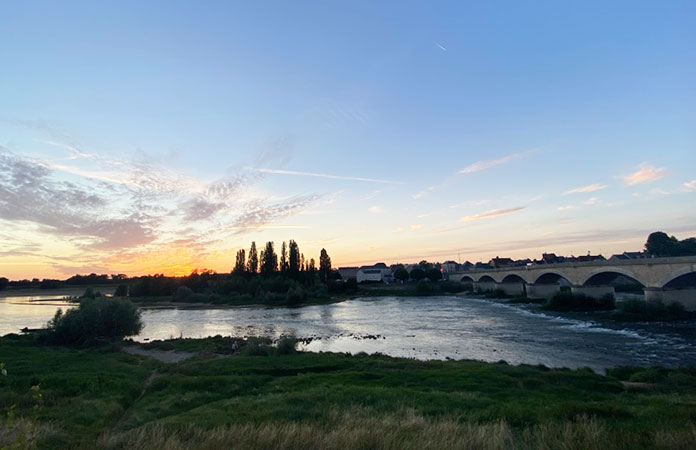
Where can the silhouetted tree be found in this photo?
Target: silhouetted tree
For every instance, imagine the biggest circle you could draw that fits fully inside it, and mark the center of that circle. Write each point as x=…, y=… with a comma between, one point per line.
x=433, y=274
x=121, y=291
x=660, y=244
x=3, y=283
x=401, y=274
x=303, y=263
x=240, y=261
x=312, y=266
x=269, y=259
x=324, y=265
x=283, y=258
x=294, y=258
x=417, y=274
x=253, y=262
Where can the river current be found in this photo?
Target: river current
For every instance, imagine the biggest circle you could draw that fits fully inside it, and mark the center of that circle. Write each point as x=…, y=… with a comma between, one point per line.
x=414, y=327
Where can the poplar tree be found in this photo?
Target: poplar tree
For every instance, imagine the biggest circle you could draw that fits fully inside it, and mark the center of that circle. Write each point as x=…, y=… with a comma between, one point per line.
x=284, y=258
x=253, y=262
x=240, y=261
x=294, y=258
x=269, y=260
x=324, y=265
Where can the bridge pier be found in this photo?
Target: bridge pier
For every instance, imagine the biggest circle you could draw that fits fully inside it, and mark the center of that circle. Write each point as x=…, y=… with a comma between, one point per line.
x=483, y=286
x=545, y=291
x=592, y=291
x=511, y=289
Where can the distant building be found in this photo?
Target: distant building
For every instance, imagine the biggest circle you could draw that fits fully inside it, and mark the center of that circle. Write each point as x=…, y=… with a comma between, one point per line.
x=348, y=272
x=628, y=255
x=590, y=258
x=551, y=258
x=378, y=273
x=500, y=262
x=449, y=266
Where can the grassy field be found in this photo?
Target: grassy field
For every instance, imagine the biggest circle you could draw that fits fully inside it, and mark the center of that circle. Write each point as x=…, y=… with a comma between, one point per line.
x=105, y=398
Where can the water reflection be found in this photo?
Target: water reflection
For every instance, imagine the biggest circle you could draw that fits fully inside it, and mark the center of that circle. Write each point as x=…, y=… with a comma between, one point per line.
x=424, y=328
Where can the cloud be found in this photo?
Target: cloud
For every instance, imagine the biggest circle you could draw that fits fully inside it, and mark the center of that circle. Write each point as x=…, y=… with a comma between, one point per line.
x=690, y=186
x=591, y=201
x=325, y=175
x=491, y=213
x=588, y=188
x=416, y=226
x=424, y=192
x=645, y=174
x=258, y=215
x=376, y=209
x=441, y=47
x=566, y=207
x=487, y=164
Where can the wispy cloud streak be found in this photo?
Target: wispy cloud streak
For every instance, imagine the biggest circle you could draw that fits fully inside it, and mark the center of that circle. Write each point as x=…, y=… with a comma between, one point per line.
x=645, y=174
x=491, y=213
x=487, y=164
x=585, y=189
x=325, y=175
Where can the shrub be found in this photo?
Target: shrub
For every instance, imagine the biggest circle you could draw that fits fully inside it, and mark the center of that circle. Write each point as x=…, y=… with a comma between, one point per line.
x=451, y=287
x=423, y=287
x=257, y=347
x=286, y=345
x=96, y=320
x=121, y=291
x=566, y=301
x=183, y=293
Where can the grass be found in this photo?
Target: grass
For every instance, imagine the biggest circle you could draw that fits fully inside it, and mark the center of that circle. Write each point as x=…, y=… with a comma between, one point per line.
x=313, y=401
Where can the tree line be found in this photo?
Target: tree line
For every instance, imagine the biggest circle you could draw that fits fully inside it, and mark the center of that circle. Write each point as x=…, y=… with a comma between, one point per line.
x=289, y=262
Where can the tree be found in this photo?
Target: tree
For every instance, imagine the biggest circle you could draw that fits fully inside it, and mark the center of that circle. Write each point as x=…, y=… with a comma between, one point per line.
x=269, y=259
x=401, y=274
x=433, y=274
x=660, y=244
x=240, y=261
x=324, y=265
x=312, y=266
x=294, y=259
x=417, y=274
x=284, y=258
x=121, y=291
x=253, y=262
x=94, y=321
x=3, y=283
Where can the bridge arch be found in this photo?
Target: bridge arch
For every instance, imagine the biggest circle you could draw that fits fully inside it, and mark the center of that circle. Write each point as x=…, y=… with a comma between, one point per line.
x=514, y=278
x=686, y=280
x=605, y=276
x=678, y=275
x=486, y=279
x=553, y=277
x=466, y=279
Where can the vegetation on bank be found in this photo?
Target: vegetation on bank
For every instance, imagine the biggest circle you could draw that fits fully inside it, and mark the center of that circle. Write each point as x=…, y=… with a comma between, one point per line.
x=309, y=400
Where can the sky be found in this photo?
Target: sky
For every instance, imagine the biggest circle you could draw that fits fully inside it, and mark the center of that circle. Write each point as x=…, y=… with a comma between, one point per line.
x=160, y=137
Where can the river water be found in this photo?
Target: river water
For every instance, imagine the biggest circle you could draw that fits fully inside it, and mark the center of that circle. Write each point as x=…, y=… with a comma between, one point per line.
x=422, y=328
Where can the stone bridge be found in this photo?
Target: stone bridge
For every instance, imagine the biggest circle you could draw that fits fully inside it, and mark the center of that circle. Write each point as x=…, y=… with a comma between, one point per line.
x=668, y=279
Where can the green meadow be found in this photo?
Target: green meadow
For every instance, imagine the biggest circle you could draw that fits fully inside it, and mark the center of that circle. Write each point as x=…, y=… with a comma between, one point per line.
x=265, y=397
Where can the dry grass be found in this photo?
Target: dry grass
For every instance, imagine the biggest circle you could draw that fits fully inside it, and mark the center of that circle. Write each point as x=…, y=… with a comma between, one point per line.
x=405, y=431
x=23, y=433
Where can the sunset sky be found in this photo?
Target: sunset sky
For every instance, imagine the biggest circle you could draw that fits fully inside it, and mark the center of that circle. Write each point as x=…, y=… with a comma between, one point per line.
x=143, y=137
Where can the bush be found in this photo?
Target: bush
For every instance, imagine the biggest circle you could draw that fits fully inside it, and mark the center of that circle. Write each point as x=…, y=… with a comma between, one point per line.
x=451, y=287
x=96, y=320
x=257, y=347
x=423, y=287
x=566, y=301
x=286, y=345
x=183, y=293
x=121, y=291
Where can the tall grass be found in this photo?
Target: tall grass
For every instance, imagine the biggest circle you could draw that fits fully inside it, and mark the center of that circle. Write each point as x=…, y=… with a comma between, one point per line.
x=403, y=431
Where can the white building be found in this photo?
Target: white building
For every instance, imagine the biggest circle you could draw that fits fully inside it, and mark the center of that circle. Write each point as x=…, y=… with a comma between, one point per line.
x=378, y=273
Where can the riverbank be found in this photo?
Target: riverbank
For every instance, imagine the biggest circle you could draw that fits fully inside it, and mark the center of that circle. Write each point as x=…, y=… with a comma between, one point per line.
x=310, y=400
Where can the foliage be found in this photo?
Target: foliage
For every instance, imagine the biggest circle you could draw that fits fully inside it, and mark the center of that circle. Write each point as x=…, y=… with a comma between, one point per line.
x=253, y=261
x=423, y=287
x=121, y=290
x=94, y=321
x=654, y=310
x=4, y=282
x=417, y=274
x=324, y=265
x=433, y=274
x=566, y=301
x=286, y=345
x=401, y=274
x=269, y=260
x=183, y=293
x=240, y=262
x=660, y=244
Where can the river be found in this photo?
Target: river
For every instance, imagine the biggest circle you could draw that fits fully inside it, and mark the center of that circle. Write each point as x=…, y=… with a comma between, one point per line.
x=422, y=328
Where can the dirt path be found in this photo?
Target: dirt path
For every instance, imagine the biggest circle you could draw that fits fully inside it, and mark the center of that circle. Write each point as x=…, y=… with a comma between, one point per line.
x=168, y=357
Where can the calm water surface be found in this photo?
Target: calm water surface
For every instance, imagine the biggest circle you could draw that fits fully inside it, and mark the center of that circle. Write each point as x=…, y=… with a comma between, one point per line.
x=423, y=328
